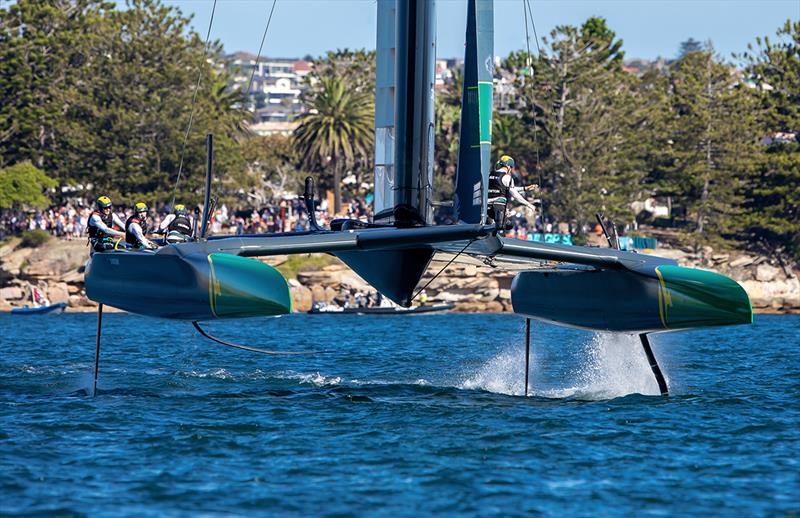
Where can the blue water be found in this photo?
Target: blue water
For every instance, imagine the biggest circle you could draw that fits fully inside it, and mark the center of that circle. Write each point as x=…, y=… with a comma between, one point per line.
x=405, y=416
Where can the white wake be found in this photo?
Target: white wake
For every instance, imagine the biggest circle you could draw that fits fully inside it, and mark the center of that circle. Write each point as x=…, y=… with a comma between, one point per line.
x=610, y=365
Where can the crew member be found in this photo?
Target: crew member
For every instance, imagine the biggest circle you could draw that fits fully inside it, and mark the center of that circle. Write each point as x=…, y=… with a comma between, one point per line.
x=177, y=226
x=501, y=187
x=136, y=228
x=101, y=225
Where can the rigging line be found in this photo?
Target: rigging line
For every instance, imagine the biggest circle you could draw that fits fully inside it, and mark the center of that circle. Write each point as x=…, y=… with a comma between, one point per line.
x=252, y=349
x=263, y=39
x=526, y=6
x=440, y=271
x=194, y=102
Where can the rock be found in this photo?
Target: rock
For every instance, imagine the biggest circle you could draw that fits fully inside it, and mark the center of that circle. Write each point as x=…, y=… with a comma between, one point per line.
x=741, y=261
x=58, y=292
x=720, y=258
x=73, y=289
x=13, y=261
x=293, y=283
x=350, y=280
x=301, y=298
x=673, y=253
x=275, y=260
x=11, y=293
x=334, y=268
x=330, y=294
x=318, y=293
x=73, y=277
x=766, y=273
x=505, y=294
x=56, y=258
x=480, y=307
x=74, y=301
x=764, y=294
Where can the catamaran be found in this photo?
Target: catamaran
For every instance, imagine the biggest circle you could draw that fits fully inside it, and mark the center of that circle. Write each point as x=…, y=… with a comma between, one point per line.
x=217, y=277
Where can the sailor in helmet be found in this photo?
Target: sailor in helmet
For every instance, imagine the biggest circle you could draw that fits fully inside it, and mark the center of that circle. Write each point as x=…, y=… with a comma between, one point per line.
x=178, y=225
x=501, y=188
x=101, y=225
x=136, y=228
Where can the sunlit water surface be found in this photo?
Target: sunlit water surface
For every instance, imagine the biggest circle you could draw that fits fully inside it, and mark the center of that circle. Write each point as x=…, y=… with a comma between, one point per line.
x=402, y=416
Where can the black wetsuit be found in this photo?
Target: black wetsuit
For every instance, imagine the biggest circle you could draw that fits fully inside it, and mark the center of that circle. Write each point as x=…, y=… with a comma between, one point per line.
x=130, y=237
x=498, y=197
x=99, y=239
x=182, y=225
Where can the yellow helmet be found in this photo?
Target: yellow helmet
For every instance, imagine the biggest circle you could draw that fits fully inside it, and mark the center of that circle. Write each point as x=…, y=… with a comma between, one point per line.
x=506, y=161
x=103, y=202
x=140, y=207
x=180, y=209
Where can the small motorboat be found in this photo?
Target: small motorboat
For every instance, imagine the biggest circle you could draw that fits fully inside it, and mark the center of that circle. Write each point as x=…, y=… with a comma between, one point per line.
x=49, y=309
x=322, y=308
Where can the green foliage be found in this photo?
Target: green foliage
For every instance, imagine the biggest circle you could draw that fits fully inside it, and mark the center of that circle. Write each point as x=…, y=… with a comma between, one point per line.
x=101, y=96
x=274, y=167
x=34, y=238
x=773, y=197
x=304, y=263
x=336, y=132
x=23, y=185
x=714, y=144
x=588, y=115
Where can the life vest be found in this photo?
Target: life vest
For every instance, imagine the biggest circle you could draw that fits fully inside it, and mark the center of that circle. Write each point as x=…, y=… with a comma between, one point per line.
x=496, y=187
x=129, y=237
x=181, y=224
x=97, y=233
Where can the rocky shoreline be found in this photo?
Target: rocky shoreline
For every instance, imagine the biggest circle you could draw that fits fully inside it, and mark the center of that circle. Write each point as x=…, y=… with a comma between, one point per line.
x=56, y=270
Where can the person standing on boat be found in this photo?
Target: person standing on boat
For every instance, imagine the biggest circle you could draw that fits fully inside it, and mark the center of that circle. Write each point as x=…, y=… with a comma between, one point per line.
x=177, y=226
x=501, y=188
x=101, y=225
x=136, y=228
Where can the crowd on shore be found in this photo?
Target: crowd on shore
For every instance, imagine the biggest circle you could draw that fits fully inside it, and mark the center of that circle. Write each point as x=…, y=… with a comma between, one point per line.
x=69, y=221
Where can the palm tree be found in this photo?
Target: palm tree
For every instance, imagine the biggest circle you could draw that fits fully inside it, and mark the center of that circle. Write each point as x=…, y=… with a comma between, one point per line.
x=336, y=130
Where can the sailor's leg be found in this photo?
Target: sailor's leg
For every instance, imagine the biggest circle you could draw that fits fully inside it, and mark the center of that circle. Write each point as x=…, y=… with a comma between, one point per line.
x=97, y=348
x=651, y=359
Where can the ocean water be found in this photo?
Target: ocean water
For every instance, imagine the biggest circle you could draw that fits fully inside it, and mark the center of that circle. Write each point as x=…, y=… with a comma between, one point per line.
x=401, y=416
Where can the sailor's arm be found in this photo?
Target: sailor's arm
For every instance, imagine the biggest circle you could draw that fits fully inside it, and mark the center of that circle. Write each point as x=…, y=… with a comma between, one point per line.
x=520, y=198
x=136, y=230
x=95, y=221
x=118, y=222
x=165, y=222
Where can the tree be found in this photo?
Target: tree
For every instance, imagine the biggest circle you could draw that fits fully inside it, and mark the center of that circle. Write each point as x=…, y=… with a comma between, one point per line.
x=773, y=196
x=273, y=163
x=689, y=46
x=103, y=97
x=588, y=113
x=714, y=135
x=24, y=184
x=337, y=130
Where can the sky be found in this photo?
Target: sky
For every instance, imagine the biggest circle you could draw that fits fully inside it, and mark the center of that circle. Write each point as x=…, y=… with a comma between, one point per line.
x=649, y=28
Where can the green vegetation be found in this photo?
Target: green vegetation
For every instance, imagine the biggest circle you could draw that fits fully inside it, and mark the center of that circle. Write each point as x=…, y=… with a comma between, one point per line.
x=303, y=263
x=337, y=130
x=93, y=94
x=98, y=97
x=34, y=238
x=24, y=184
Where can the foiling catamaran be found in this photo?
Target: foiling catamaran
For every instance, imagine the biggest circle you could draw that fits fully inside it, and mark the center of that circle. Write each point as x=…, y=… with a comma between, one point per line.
x=216, y=277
